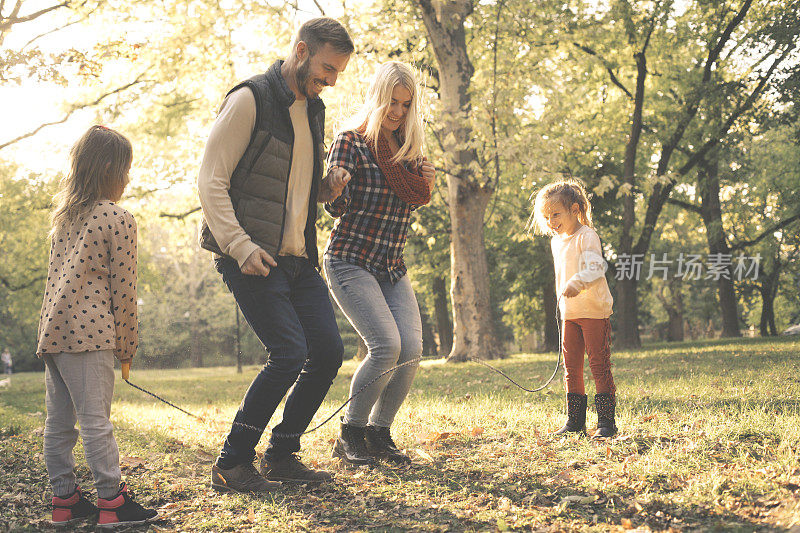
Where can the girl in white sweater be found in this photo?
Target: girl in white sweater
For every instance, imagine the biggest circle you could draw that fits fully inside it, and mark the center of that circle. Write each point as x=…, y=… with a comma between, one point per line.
x=562, y=210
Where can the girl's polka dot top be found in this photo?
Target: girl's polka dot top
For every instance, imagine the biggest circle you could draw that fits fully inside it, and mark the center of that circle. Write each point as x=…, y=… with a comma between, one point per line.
x=90, y=298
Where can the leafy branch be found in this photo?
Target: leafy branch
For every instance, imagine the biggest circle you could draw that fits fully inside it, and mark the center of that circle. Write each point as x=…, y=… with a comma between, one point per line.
x=11, y=287
x=71, y=111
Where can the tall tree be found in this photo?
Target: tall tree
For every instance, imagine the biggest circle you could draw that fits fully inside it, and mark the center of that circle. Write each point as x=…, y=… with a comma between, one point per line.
x=468, y=186
x=24, y=211
x=710, y=211
x=704, y=86
x=759, y=216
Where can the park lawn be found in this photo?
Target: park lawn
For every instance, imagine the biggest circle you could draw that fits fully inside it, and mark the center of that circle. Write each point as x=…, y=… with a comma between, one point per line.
x=709, y=441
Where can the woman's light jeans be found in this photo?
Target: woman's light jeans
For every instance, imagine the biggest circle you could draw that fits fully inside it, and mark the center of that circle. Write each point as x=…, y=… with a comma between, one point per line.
x=386, y=315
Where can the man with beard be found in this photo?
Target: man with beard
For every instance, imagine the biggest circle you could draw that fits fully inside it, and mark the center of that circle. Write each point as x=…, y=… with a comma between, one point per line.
x=259, y=183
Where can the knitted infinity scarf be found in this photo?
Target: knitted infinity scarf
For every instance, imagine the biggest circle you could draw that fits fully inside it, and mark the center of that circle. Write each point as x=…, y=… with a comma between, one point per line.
x=412, y=188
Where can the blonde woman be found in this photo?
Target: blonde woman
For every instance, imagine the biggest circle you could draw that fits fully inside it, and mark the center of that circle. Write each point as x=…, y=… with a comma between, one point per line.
x=387, y=178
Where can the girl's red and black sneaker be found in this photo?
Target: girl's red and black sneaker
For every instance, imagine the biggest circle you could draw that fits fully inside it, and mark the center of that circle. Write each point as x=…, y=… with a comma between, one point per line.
x=72, y=508
x=121, y=510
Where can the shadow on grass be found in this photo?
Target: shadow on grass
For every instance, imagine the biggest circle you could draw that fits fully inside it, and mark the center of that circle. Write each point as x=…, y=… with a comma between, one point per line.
x=373, y=501
x=347, y=503
x=551, y=490
x=353, y=507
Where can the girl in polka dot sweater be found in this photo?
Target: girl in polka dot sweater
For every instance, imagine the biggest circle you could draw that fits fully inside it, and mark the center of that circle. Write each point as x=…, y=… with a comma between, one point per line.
x=88, y=318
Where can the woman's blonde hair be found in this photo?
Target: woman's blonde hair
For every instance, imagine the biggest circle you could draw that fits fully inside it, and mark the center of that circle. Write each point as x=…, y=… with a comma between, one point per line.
x=99, y=164
x=376, y=107
x=567, y=193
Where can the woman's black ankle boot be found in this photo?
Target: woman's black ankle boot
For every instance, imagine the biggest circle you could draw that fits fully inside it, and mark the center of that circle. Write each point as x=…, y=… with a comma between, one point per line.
x=351, y=447
x=606, y=406
x=576, y=414
x=380, y=444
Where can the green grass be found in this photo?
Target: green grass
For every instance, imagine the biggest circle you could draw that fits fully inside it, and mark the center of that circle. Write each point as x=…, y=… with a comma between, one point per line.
x=709, y=441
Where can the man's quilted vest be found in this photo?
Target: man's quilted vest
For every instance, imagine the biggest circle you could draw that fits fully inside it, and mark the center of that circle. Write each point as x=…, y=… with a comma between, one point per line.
x=259, y=182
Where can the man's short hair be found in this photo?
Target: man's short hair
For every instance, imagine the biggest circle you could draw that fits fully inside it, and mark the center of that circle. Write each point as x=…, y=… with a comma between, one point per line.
x=316, y=32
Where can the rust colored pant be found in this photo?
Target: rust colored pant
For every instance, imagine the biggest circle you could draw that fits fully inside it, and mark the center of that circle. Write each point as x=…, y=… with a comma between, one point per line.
x=592, y=336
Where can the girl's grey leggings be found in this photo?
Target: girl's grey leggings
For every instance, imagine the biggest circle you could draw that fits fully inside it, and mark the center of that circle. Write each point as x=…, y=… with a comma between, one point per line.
x=78, y=388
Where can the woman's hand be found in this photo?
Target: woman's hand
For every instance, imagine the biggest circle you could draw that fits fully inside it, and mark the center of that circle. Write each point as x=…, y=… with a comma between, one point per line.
x=428, y=171
x=333, y=184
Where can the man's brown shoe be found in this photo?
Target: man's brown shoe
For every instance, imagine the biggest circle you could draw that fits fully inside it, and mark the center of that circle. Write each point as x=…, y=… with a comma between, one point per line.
x=240, y=478
x=289, y=468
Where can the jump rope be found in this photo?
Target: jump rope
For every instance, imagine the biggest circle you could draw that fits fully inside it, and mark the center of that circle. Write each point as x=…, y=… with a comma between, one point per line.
x=126, y=373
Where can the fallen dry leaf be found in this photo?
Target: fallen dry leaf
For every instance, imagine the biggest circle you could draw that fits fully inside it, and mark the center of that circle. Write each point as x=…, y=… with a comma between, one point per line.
x=131, y=462
x=171, y=505
x=204, y=454
x=477, y=430
x=165, y=511
x=575, y=498
x=504, y=504
x=251, y=515
x=425, y=455
x=435, y=437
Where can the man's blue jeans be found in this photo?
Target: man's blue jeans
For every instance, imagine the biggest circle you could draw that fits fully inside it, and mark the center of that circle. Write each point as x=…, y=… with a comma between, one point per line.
x=291, y=313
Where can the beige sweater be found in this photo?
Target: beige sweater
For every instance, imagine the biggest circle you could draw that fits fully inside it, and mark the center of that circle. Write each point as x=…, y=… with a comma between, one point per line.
x=579, y=263
x=90, y=298
x=227, y=142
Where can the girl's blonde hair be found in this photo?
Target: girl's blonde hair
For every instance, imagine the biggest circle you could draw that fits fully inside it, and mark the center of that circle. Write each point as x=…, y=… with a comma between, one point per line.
x=567, y=193
x=99, y=164
x=376, y=107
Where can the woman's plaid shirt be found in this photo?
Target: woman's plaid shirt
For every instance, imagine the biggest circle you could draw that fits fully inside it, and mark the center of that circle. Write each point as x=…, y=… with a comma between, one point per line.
x=373, y=221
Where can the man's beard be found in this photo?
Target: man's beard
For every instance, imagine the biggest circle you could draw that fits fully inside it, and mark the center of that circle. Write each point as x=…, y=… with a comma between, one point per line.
x=301, y=77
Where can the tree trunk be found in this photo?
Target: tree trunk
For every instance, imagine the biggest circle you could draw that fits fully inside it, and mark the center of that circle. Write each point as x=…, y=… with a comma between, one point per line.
x=443, y=324
x=474, y=334
x=772, y=329
x=469, y=189
x=673, y=305
x=769, y=290
x=628, y=311
x=196, y=346
x=428, y=339
x=550, y=306
x=675, y=311
x=711, y=213
x=767, y=312
x=728, y=304
x=628, y=306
